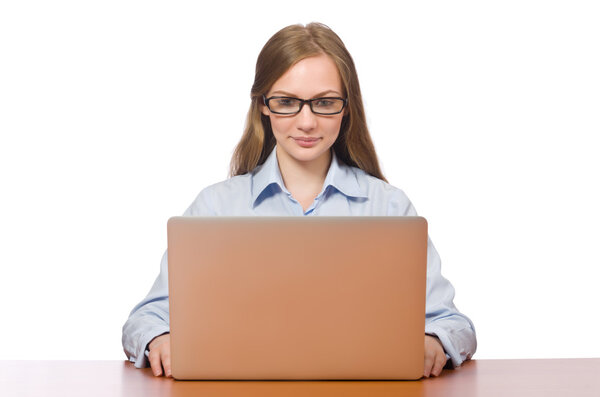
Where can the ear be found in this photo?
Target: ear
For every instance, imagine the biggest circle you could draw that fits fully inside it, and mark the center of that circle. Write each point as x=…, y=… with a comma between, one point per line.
x=263, y=107
x=265, y=110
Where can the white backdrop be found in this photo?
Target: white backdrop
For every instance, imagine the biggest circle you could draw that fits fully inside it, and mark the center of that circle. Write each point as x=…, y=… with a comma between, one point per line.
x=115, y=114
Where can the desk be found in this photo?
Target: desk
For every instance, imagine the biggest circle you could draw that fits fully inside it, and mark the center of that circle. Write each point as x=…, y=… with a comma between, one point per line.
x=514, y=378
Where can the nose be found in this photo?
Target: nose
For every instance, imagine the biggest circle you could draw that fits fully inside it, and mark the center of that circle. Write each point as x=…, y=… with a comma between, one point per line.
x=306, y=120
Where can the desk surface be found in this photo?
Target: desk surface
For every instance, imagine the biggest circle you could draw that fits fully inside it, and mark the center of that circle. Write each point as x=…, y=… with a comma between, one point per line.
x=556, y=377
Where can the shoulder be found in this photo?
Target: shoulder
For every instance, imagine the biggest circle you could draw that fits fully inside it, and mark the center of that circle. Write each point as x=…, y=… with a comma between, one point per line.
x=228, y=194
x=382, y=194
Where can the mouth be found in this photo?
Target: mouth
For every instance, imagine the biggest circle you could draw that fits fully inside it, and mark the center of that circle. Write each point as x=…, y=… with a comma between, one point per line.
x=306, y=141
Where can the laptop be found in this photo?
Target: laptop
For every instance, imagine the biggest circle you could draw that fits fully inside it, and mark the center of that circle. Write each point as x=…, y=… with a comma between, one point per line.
x=297, y=297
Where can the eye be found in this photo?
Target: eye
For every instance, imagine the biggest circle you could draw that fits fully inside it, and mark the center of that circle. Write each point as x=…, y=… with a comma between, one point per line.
x=286, y=102
x=323, y=102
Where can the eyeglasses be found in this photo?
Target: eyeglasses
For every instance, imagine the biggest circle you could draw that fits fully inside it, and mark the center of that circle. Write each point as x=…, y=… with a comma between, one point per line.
x=291, y=105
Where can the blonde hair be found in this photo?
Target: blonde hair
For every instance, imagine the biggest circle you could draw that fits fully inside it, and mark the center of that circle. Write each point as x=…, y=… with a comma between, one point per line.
x=291, y=44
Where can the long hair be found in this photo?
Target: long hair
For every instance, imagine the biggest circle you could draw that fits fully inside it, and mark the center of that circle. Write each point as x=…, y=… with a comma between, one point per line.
x=290, y=45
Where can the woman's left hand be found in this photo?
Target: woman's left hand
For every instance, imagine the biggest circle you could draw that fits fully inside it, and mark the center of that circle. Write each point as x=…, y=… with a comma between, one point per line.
x=435, y=357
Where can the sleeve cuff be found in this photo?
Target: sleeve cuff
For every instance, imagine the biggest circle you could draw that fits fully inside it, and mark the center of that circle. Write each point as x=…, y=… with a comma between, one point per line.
x=442, y=335
x=141, y=359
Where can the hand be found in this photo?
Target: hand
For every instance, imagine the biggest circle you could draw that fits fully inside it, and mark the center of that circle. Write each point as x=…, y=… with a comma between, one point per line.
x=160, y=355
x=435, y=357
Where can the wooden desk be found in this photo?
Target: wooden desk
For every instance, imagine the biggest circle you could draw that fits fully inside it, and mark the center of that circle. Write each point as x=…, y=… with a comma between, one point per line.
x=558, y=377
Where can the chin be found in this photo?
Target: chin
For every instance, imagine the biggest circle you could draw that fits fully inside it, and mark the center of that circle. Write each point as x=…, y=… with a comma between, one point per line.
x=307, y=155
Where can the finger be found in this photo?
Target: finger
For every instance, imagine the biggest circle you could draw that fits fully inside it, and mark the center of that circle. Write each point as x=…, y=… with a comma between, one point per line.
x=166, y=363
x=440, y=361
x=154, y=358
x=429, y=360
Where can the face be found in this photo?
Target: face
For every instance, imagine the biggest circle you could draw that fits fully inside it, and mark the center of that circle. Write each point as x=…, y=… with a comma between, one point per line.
x=306, y=137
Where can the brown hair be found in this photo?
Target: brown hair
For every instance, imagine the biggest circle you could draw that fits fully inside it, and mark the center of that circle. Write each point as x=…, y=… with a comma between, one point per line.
x=291, y=44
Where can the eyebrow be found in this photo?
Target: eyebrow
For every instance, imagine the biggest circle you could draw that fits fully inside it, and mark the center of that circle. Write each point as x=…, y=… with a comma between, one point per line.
x=319, y=95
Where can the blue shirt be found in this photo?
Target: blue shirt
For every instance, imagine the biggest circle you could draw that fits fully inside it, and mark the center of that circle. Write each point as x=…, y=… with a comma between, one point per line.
x=347, y=191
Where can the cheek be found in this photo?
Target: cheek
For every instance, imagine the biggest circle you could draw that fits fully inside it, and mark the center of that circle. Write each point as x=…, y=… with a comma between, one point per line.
x=280, y=125
x=333, y=125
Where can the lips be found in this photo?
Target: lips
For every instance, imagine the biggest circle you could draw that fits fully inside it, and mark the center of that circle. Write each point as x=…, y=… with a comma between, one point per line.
x=306, y=141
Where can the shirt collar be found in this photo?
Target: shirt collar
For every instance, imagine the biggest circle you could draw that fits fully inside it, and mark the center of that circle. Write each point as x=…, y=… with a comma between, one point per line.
x=266, y=175
x=339, y=176
x=344, y=179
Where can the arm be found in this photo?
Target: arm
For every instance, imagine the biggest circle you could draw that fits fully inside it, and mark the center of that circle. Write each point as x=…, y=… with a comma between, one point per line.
x=148, y=319
x=442, y=319
x=449, y=328
x=143, y=333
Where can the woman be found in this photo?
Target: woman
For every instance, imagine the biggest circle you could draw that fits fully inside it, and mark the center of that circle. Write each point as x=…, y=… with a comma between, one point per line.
x=305, y=151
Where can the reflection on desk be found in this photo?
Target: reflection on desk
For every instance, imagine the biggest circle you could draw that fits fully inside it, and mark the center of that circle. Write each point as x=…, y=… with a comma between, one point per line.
x=555, y=377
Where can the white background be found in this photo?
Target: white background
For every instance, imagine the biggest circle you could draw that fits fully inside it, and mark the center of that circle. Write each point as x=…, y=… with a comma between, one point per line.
x=115, y=114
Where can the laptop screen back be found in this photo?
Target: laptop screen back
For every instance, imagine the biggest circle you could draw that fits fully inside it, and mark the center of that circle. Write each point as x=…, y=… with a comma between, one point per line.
x=297, y=298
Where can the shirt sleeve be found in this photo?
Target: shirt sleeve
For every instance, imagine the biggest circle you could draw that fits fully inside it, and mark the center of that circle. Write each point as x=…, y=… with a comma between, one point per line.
x=455, y=331
x=150, y=317
x=442, y=318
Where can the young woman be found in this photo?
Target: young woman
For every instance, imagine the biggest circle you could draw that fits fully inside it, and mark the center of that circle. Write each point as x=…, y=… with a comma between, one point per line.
x=305, y=151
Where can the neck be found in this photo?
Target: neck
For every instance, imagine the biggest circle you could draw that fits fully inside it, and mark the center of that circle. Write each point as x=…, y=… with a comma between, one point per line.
x=303, y=177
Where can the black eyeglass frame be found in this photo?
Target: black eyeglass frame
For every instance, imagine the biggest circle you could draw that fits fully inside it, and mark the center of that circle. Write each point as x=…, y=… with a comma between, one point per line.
x=303, y=101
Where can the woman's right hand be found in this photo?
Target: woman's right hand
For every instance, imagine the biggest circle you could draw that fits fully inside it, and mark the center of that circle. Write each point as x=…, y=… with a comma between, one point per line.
x=160, y=355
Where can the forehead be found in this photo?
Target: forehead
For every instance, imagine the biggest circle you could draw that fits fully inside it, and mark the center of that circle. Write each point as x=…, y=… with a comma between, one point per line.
x=310, y=76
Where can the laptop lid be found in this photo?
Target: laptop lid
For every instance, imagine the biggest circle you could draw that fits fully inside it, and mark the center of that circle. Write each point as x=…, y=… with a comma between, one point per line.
x=297, y=298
